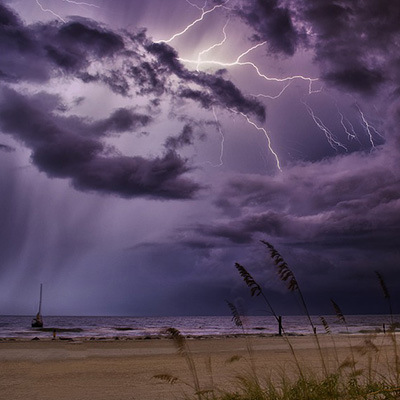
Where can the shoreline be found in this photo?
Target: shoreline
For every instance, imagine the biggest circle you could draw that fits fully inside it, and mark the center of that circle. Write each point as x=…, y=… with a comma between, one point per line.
x=126, y=369
x=61, y=337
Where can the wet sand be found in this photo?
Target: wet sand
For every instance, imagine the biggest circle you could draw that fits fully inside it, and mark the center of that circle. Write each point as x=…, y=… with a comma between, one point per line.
x=125, y=369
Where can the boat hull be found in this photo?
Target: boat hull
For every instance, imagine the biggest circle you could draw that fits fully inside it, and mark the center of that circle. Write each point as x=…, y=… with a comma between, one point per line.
x=37, y=324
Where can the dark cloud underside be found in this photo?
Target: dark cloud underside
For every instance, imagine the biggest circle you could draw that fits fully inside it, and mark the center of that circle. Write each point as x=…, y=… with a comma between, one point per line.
x=64, y=153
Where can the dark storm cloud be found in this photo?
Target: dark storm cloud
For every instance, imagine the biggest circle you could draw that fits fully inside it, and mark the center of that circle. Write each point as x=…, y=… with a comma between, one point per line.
x=135, y=176
x=223, y=92
x=228, y=95
x=185, y=138
x=129, y=63
x=355, y=42
x=202, y=97
x=216, y=89
x=7, y=18
x=272, y=23
x=71, y=147
x=87, y=36
x=334, y=222
x=147, y=79
x=18, y=50
x=356, y=79
x=71, y=45
x=34, y=52
x=121, y=120
x=243, y=229
x=324, y=205
x=167, y=59
x=62, y=152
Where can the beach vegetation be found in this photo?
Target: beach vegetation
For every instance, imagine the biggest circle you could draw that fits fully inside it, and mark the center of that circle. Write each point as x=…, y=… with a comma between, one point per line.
x=369, y=370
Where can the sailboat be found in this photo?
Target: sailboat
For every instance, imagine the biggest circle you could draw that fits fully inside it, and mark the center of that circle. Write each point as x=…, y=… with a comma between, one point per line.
x=37, y=322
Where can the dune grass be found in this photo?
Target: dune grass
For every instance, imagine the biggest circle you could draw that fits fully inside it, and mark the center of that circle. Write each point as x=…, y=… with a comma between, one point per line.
x=369, y=371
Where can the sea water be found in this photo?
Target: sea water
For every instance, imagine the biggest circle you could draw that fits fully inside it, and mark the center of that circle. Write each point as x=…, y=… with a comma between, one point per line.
x=19, y=327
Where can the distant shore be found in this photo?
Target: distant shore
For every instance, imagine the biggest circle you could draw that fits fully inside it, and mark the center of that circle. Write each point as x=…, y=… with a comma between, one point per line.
x=136, y=327
x=65, y=335
x=124, y=369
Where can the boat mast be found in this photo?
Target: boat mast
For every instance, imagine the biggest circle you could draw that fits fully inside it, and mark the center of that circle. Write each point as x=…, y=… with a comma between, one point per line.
x=40, y=299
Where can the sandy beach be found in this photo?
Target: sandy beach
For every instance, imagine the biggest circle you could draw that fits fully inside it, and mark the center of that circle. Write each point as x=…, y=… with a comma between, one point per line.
x=125, y=369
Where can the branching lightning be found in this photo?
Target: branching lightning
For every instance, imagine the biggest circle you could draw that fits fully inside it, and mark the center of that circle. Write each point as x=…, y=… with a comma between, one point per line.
x=212, y=46
x=261, y=129
x=204, y=12
x=330, y=137
x=351, y=134
x=287, y=80
x=50, y=11
x=79, y=3
x=238, y=62
x=369, y=129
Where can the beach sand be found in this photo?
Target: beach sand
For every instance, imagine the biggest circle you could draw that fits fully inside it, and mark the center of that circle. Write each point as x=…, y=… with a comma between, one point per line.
x=125, y=369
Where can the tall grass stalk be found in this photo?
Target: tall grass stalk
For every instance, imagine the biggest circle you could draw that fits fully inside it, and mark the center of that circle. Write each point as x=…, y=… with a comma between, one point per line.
x=287, y=275
x=256, y=290
x=386, y=294
x=328, y=331
x=340, y=316
x=392, y=330
x=236, y=318
x=183, y=349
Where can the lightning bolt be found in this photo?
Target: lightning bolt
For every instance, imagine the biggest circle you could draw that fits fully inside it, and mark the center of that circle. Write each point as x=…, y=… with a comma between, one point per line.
x=369, y=129
x=330, y=137
x=79, y=3
x=237, y=62
x=351, y=134
x=196, y=6
x=82, y=3
x=212, y=46
x=345, y=123
x=287, y=84
x=198, y=62
x=50, y=11
x=286, y=80
x=261, y=129
x=204, y=12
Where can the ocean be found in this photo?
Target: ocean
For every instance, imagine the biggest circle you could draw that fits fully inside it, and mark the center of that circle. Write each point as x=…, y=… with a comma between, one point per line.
x=19, y=327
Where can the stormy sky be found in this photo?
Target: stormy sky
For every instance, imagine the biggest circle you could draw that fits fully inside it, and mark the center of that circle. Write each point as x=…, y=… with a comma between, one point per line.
x=145, y=147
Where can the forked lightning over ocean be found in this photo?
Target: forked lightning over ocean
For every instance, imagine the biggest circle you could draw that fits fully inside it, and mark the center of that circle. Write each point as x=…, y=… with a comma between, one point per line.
x=240, y=61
